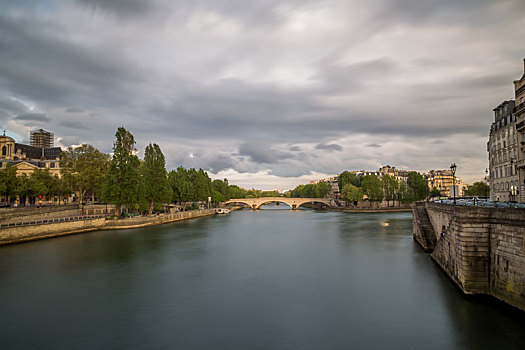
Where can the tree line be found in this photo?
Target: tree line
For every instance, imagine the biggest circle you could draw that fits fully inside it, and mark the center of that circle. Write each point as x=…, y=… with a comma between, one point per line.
x=353, y=188
x=121, y=179
x=318, y=190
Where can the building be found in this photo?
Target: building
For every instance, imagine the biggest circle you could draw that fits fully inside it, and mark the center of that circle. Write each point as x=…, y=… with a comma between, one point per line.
x=443, y=180
x=398, y=174
x=503, y=152
x=506, y=147
x=519, y=117
x=41, y=139
x=27, y=158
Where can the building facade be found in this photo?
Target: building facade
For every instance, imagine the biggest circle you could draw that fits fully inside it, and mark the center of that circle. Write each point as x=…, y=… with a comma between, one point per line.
x=27, y=158
x=519, y=113
x=444, y=181
x=503, y=152
x=506, y=148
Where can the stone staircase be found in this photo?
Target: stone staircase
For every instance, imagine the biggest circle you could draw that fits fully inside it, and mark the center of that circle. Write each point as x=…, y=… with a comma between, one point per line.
x=423, y=230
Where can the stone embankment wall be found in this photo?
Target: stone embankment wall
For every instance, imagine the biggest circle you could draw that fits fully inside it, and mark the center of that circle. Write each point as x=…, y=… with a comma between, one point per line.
x=26, y=214
x=9, y=215
x=10, y=235
x=20, y=234
x=142, y=221
x=481, y=249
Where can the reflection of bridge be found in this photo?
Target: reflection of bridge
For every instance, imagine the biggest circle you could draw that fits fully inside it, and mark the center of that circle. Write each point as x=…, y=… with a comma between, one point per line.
x=294, y=203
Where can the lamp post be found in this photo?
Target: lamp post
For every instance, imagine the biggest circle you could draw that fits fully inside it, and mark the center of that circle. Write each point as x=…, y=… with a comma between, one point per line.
x=453, y=168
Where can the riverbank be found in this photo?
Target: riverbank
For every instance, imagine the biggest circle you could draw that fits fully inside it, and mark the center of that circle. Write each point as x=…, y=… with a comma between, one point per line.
x=20, y=234
x=378, y=210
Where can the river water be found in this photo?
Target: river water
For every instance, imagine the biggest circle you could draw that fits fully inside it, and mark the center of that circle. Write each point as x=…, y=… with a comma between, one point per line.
x=267, y=279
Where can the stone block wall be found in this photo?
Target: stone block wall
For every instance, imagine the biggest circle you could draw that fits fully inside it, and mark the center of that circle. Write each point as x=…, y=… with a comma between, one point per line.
x=482, y=249
x=22, y=214
x=27, y=233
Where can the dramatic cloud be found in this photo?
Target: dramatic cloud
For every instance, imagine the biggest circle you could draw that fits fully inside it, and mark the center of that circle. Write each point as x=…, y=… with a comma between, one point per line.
x=270, y=92
x=33, y=117
x=329, y=147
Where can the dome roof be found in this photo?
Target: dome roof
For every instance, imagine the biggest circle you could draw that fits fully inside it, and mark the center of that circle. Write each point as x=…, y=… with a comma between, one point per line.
x=4, y=138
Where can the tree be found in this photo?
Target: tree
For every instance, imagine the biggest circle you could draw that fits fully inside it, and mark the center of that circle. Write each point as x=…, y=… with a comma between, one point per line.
x=235, y=192
x=435, y=192
x=417, y=186
x=323, y=188
x=84, y=170
x=8, y=183
x=50, y=183
x=221, y=187
x=390, y=187
x=352, y=193
x=122, y=181
x=154, y=177
x=217, y=197
x=347, y=178
x=372, y=188
x=479, y=189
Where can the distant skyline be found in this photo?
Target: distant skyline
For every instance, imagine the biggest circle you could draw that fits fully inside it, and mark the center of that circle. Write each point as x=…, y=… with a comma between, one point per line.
x=269, y=94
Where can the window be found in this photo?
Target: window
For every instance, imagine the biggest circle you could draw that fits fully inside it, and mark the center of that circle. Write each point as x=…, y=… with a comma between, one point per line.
x=52, y=165
x=4, y=151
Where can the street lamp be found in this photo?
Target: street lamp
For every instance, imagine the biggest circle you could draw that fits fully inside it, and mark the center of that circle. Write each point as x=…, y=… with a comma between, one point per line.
x=453, y=168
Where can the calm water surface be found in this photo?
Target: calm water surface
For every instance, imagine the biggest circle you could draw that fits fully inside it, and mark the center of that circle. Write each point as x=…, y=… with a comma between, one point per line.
x=268, y=279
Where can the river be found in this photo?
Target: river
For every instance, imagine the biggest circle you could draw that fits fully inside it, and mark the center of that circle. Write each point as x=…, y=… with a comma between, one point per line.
x=266, y=279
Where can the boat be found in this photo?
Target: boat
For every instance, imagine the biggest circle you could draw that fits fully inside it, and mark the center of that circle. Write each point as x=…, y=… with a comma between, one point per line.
x=222, y=211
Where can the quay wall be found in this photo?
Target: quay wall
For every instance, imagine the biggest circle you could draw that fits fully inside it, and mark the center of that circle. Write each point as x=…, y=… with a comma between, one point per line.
x=25, y=214
x=481, y=249
x=142, y=221
x=18, y=234
x=11, y=235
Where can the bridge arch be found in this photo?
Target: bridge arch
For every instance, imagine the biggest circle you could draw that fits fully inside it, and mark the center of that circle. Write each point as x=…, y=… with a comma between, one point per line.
x=293, y=203
x=273, y=201
x=322, y=202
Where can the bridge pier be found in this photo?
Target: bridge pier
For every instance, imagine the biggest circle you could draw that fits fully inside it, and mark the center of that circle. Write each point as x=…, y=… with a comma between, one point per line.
x=254, y=207
x=294, y=206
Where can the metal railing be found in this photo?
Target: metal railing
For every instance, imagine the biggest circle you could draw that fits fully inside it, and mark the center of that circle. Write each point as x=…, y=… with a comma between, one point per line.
x=51, y=221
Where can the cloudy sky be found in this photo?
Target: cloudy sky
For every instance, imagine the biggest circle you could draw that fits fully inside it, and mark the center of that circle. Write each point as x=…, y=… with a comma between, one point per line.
x=268, y=93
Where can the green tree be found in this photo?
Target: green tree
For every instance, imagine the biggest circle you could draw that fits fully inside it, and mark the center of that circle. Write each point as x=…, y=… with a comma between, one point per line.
x=347, y=178
x=122, y=181
x=8, y=183
x=479, y=189
x=372, y=188
x=323, y=188
x=235, y=192
x=435, y=192
x=221, y=187
x=84, y=170
x=155, y=178
x=390, y=187
x=50, y=182
x=417, y=186
x=217, y=197
x=352, y=193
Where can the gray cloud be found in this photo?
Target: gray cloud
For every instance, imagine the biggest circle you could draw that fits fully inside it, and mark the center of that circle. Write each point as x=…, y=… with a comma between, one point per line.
x=74, y=125
x=33, y=117
x=73, y=110
x=294, y=76
x=329, y=147
x=262, y=153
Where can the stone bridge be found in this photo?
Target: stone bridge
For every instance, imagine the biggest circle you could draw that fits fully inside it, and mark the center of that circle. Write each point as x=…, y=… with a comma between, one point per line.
x=294, y=203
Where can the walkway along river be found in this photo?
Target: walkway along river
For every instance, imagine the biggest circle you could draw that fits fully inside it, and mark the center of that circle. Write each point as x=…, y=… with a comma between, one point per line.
x=266, y=279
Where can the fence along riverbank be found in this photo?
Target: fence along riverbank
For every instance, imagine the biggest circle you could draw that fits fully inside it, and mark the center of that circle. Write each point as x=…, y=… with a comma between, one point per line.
x=49, y=227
